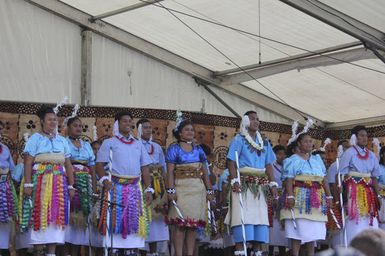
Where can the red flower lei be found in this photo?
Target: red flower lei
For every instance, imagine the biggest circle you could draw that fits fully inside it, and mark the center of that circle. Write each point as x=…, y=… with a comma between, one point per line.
x=362, y=157
x=129, y=142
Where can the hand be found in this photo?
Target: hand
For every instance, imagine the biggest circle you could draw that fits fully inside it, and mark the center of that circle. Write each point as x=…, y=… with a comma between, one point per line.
x=172, y=197
x=149, y=198
x=210, y=198
x=274, y=193
x=71, y=193
x=290, y=203
x=27, y=192
x=236, y=187
x=107, y=184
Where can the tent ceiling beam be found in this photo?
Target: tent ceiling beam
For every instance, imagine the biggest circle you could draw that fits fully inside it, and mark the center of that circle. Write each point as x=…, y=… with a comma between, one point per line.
x=290, y=58
x=86, y=68
x=365, y=33
x=266, y=102
x=124, y=9
x=349, y=55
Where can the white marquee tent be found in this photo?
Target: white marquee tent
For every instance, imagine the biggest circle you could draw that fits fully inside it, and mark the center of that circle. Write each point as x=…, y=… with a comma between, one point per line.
x=287, y=59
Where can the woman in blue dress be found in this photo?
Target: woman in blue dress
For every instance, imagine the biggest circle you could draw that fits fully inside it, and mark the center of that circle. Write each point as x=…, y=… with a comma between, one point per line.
x=83, y=162
x=306, y=196
x=189, y=186
x=8, y=198
x=47, y=185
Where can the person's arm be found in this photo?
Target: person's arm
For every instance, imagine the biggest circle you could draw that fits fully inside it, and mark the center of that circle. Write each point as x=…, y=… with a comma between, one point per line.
x=147, y=180
x=328, y=194
x=289, y=193
x=28, y=162
x=170, y=179
x=70, y=176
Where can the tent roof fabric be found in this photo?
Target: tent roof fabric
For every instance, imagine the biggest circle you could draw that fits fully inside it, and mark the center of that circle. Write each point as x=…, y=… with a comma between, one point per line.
x=334, y=92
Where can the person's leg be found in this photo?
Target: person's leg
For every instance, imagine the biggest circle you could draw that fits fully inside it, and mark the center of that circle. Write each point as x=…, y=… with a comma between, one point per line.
x=309, y=249
x=271, y=250
x=153, y=247
x=178, y=240
x=282, y=250
x=51, y=249
x=295, y=246
x=190, y=241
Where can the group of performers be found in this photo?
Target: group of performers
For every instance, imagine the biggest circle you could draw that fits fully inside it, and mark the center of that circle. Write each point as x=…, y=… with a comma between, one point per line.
x=126, y=195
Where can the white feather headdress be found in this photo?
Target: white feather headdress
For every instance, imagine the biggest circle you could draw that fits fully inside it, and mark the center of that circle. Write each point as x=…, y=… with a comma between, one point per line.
x=73, y=114
x=60, y=104
x=94, y=133
x=179, y=119
x=326, y=142
x=245, y=123
x=309, y=123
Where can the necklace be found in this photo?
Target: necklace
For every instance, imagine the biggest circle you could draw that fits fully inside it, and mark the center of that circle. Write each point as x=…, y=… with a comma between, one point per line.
x=74, y=138
x=362, y=157
x=252, y=142
x=129, y=142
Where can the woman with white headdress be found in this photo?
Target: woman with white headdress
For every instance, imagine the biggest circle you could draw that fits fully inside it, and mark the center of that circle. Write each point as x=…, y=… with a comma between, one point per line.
x=360, y=168
x=307, y=195
x=47, y=185
x=188, y=189
x=83, y=162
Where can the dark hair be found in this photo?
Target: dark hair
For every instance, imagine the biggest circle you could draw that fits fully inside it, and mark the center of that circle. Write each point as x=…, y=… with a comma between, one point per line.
x=95, y=142
x=341, y=142
x=250, y=112
x=206, y=149
x=318, y=152
x=72, y=120
x=142, y=121
x=290, y=148
x=357, y=129
x=43, y=111
x=382, y=153
x=370, y=242
x=176, y=131
x=278, y=148
x=301, y=136
x=120, y=114
x=2, y=124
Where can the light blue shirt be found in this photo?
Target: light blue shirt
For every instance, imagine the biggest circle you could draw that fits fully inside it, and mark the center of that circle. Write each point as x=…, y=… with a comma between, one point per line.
x=18, y=173
x=6, y=160
x=84, y=153
x=176, y=155
x=381, y=177
x=127, y=159
x=296, y=165
x=248, y=157
x=350, y=162
x=277, y=172
x=223, y=179
x=332, y=172
x=39, y=144
x=157, y=155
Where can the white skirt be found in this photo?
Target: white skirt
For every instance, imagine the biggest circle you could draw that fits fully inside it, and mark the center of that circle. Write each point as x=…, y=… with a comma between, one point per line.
x=5, y=232
x=353, y=228
x=77, y=236
x=158, y=231
x=51, y=235
x=118, y=242
x=277, y=235
x=307, y=230
x=23, y=240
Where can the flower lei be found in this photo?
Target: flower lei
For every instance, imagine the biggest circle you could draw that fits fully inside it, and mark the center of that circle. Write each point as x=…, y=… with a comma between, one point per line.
x=362, y=157
x=252, y=142
x=129, y=142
